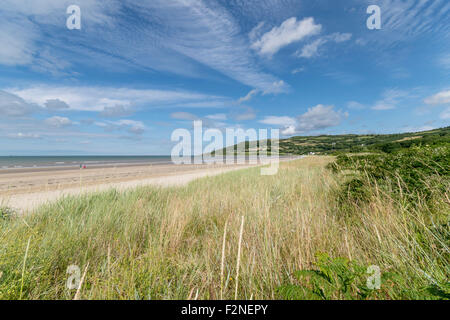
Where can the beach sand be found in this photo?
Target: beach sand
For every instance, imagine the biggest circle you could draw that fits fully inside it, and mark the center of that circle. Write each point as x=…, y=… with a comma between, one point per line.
x=26, y=190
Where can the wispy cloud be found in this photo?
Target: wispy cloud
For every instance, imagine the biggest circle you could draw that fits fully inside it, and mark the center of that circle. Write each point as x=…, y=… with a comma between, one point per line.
x=445, y=115
x=207, y=33
x=312, y=49
x=217, y=117
x=21, y=135
x=298, y=70
x=249, y=96
x=279, y=121
x=58, y=122
x=391, y=98
x=444, y=61
x=290, y=31
x=183, y=116
x=411, y=18
x=407, y=19
x=244, y=113
x=107, y=100
x=355, y=105
x=132, y=126
x=440, y=98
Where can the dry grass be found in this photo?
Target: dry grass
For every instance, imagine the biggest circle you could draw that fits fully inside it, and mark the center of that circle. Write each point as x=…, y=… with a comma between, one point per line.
x=180, y=243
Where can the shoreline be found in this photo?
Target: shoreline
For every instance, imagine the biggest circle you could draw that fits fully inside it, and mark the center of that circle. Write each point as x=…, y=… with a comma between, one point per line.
x=90, y=166
x=25, y=201
x=26, y=191
x=77, y=167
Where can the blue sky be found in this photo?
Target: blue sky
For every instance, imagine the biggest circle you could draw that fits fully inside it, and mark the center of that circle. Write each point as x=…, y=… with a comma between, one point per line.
x=137, y=70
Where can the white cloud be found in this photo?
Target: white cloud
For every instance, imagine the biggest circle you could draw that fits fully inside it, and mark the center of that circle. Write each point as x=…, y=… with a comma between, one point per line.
x=249, y=96
x=320, y=117
x=439, y=98
x=207, y=33
x=411, y=18
x=136, y=127
x=183, y=116
x=316, y=118
x=209, y=121
x=290, y=31
x=247, y=114
x=382, y=105
x=355, y=105
x=24, y=35
x=289, y=131
x=17, y=42
x=21, y=135
x=13, y=106
x=58, y=122
x=116, y=111
x=279, y=121
x=56, y=104
x=391, y=98
x=409, y=129
x=311, y=50
x=276, y=87
x=107, y=99
x=444, y=61
x=298, y=70
x=132, y=126
x=445, y=115
x=340, y=37
x=217, y=117
x=256, y=32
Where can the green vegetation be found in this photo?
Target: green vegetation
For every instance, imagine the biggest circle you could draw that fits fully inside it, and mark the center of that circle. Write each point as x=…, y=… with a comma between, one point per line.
x=336, y=144
x=364, y=143
x=416, y=173
x=338, y=278
x=310, y=232
x=156, y=243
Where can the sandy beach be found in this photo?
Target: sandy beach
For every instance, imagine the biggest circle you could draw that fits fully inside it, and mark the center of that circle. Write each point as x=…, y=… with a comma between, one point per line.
x=26, y=190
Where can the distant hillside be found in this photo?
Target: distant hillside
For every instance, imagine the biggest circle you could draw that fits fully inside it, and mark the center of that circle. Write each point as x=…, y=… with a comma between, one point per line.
x=330, y=144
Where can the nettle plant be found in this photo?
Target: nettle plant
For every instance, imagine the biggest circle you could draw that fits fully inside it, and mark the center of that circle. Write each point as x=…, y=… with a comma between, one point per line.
x=338, y=278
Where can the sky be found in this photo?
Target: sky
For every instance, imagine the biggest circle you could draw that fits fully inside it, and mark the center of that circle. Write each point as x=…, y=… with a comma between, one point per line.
x=138, y=70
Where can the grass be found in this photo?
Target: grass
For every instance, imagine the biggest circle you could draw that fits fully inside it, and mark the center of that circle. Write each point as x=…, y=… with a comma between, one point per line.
x=235, y=235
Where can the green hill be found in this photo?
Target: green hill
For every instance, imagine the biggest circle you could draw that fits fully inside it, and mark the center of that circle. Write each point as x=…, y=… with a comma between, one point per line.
x=331, y=144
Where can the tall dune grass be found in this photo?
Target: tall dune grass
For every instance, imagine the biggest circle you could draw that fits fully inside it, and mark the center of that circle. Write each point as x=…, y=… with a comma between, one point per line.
x=180, y=243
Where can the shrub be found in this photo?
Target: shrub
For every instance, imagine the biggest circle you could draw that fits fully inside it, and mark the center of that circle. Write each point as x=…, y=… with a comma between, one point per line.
x=337, y=278
x=418, y=172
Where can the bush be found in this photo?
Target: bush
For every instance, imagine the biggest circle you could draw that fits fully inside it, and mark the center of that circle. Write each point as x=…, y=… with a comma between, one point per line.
x=417, y=172
x=336, y=278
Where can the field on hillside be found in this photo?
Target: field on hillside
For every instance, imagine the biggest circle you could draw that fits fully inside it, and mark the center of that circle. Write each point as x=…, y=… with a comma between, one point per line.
x=308, y=232
x=352, y=143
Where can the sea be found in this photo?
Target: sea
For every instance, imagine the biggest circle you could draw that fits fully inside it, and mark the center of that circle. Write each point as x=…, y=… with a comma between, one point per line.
x=17, y=162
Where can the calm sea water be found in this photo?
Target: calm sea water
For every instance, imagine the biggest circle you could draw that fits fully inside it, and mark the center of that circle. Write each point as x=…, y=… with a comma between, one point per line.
x=76, y=161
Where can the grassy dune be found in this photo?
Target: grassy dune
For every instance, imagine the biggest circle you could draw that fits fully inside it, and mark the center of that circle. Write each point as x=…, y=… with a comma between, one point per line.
x=154, y=243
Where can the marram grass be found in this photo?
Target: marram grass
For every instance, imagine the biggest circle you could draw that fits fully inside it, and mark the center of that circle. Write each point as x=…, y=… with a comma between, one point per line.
x=183, y=242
